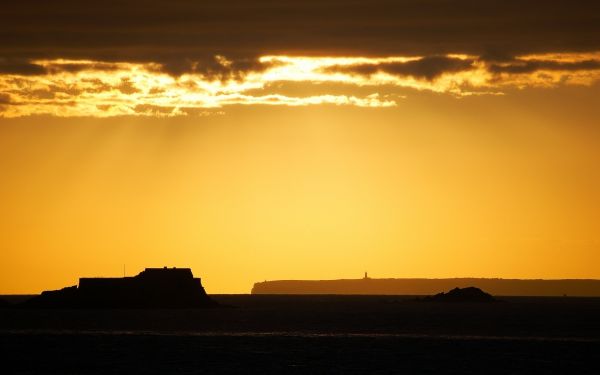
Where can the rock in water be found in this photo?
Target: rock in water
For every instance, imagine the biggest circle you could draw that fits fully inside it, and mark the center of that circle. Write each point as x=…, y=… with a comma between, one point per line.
x=469, y=294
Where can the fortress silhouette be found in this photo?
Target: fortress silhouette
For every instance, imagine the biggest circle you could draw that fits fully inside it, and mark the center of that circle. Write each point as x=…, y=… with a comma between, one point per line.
x=152, y=288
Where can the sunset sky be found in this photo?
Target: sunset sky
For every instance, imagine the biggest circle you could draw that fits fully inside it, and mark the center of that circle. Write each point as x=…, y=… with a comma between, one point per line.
x=261, y=140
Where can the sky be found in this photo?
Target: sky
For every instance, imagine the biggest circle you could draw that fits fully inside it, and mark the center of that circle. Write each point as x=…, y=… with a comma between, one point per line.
x=268, y=140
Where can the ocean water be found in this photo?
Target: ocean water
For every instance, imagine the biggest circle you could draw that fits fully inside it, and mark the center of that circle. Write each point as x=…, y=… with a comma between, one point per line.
x=309, y=334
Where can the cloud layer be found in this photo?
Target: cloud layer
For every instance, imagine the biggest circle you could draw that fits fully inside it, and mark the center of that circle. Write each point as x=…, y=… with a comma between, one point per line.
x=183, y=35
x=102, y=89
x=170, y=57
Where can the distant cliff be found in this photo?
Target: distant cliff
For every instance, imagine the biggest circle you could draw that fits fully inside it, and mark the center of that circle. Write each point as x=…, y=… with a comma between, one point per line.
x=152, y=288
x=501, y=287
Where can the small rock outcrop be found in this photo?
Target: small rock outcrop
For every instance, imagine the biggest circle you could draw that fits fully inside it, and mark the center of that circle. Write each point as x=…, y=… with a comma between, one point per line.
x=469, y=294
x=152, y=288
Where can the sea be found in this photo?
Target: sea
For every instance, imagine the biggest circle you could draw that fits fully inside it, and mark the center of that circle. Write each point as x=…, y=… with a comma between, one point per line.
x=304, y=334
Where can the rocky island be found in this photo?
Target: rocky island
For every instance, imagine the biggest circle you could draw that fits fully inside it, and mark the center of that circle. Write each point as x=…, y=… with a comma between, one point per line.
x=469, y=294
x=152, y=288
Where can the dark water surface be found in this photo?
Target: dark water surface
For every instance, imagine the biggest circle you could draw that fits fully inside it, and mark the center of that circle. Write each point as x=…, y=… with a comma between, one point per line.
x=310, y=334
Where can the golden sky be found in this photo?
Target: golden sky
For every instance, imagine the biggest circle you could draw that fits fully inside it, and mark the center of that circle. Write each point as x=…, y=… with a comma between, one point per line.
x=298, y=157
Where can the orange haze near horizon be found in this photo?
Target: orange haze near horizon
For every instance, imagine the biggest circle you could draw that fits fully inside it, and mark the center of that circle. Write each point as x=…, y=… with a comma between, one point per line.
x=435, y=186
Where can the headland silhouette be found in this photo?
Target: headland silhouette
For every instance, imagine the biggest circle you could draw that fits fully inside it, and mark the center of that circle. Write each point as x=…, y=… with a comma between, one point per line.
x=423, y=287
x=152, y=288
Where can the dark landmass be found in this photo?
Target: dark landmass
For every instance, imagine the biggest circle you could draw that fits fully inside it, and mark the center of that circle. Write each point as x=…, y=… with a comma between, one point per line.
x=4, y=303
x=469, y=294
x=424, y=287
x=152, y=288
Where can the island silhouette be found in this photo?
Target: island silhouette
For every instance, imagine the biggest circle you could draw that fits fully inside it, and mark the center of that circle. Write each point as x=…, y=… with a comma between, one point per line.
x=468, y=294
x=151, y=288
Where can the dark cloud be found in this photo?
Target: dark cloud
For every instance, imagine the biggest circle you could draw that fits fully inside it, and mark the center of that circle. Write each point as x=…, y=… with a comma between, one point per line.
x=78, y=67
x=25, y=66
x=152, y=109
x=104, y=107
x=185, y=34
x=127, y=87
x=426, y=67
x=4, y=99
x=529, y=66
x=434, y=66
x=20, y=67
x=216, y=67
x=41, y=94
x=96, y=85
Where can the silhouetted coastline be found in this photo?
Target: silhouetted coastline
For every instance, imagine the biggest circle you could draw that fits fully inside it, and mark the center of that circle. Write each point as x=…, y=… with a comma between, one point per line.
x=152, y=288
x=424, y=287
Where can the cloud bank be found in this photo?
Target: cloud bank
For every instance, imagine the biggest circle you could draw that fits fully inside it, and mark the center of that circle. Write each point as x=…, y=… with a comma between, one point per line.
x=180, y=33
x=172, y=57
x=103, y=89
